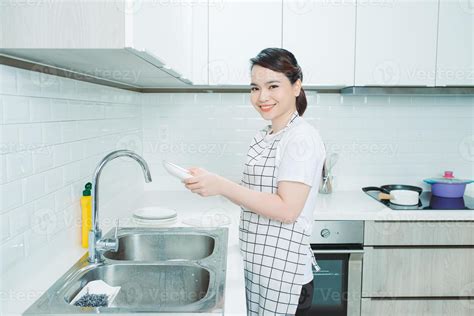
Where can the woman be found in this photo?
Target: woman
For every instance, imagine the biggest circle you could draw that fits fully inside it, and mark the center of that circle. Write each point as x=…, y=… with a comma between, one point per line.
x=278, y=190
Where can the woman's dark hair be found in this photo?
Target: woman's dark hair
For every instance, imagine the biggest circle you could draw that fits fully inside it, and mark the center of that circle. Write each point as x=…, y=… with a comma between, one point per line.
x=281, y=60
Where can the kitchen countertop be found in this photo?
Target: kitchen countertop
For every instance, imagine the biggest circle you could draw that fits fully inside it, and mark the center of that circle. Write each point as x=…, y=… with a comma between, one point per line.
x=24, y=283
x=356, y=205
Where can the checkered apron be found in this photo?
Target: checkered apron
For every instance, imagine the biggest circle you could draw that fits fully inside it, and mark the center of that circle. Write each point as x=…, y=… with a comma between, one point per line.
x=273, y=252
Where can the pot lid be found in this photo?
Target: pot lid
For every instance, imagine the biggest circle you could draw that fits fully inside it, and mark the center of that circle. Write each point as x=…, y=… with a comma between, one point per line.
x=448, y=178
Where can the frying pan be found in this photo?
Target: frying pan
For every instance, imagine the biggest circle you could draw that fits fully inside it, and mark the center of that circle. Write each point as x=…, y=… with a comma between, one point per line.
x=399, y=194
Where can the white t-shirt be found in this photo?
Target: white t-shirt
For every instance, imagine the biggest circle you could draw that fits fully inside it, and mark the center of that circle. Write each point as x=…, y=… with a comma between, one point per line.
x=300, y=157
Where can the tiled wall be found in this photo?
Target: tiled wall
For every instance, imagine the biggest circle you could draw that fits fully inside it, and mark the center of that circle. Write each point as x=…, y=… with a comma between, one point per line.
x=54, y=131
x=379, y=139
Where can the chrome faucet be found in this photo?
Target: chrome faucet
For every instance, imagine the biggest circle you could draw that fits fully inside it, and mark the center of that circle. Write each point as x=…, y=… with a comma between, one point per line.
x=97, y=245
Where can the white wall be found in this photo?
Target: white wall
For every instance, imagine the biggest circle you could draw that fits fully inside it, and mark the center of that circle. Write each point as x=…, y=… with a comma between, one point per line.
x=54, y=131
x=380, y=139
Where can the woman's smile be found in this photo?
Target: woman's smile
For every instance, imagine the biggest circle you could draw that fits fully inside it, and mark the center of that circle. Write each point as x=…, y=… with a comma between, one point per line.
x=266, y=107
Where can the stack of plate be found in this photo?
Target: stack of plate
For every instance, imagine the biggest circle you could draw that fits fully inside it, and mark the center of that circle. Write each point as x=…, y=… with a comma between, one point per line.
x=155, y=216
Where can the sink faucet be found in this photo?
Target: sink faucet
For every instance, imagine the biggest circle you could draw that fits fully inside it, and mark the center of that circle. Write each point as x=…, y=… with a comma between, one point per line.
x=97, y=245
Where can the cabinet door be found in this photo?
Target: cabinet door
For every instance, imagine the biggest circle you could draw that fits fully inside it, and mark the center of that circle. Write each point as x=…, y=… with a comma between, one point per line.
x=417, y=272
x=418, y=307
x=62, y=24
x=238, y=30
x=321, y=35
x=164, y=29
x=455, y=65
x=396, y=43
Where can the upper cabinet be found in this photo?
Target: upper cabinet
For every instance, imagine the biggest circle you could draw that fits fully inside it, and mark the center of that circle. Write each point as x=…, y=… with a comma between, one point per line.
x=455, y=65
x=238, y=31
x=396, y=43
x=129, y=42
x=155, y=44
x=176, y=31
x=321, y=35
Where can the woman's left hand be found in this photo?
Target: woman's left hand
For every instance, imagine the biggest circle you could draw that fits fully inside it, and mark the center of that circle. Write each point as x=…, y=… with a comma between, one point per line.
x=203, y=182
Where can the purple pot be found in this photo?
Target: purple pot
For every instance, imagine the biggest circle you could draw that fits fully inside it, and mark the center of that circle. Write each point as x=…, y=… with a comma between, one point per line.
x=439, y=203
x=448, y=186
x=451, y=190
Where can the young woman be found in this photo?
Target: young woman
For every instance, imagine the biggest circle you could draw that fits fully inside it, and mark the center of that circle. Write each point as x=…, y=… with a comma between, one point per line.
x=278, y=190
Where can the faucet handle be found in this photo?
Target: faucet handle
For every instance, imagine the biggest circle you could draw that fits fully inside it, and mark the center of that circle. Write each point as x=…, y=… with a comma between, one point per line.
x=116, y=228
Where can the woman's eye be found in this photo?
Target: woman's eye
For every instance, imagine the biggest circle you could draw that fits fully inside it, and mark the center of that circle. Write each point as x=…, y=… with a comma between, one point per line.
x=253, y=89
x=273, y=86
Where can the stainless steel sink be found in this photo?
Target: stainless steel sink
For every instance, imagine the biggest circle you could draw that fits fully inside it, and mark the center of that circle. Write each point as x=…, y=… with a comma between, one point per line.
x=154, y=276
x=162, y=246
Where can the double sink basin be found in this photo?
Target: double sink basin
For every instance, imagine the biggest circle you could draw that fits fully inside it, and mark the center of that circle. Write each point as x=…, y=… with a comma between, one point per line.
x=159, y=270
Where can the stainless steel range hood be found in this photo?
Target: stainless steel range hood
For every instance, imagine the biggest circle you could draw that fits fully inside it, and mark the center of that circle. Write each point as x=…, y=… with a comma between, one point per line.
x=400, y=90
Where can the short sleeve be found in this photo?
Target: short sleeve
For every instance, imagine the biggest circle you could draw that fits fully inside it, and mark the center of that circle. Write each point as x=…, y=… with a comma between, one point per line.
x=300, y=156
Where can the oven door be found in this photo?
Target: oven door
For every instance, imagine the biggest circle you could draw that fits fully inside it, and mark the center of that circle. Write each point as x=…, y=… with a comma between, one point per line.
x=337, y=286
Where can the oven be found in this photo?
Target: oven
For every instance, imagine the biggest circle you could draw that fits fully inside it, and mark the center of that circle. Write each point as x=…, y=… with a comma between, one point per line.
x=338, y=249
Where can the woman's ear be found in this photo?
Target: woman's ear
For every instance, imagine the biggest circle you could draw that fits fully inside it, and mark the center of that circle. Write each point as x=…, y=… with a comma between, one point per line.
x=297, y=87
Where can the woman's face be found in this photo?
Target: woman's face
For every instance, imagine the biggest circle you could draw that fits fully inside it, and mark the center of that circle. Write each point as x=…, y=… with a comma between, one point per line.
x=271, y=93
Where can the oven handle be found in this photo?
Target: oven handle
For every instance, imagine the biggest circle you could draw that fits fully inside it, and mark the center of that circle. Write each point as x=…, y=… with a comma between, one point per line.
x=316, y=251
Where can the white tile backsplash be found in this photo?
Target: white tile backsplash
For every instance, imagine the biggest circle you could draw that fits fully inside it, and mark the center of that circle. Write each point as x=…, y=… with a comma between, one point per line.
x=380, y=139
x=54, y=131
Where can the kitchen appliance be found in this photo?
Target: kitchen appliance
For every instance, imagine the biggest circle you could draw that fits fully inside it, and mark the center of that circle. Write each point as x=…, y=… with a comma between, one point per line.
x=448, y=186
x=338, y=248
x=427, y=201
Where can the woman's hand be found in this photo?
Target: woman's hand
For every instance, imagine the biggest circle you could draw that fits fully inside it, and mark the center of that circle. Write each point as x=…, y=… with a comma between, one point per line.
x=203, y=182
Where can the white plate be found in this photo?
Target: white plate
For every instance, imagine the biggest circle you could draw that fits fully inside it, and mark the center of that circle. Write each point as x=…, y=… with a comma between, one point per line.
x=155, y=222
x=176, y=170
x=154, y=213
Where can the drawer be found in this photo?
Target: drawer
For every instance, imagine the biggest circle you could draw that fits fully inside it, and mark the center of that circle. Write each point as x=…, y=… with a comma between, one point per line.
x=426, y=307
x=418, y=233
x=417, y=272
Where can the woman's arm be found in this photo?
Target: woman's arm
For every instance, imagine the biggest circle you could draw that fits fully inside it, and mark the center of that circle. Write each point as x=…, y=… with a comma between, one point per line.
x=284, y=206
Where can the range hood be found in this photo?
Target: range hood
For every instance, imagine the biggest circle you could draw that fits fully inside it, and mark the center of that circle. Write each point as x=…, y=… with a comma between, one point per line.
x=400, y=90
x=125, y=68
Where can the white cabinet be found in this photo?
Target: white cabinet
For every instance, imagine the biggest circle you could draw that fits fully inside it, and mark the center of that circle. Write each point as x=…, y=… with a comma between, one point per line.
x=455, y=64
x=321, y=35
x=396, y=43
x=109, y=39
x=176, y=31
x=238, y=31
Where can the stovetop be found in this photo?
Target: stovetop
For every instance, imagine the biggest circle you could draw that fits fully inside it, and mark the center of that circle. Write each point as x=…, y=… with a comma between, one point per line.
x=429, y=202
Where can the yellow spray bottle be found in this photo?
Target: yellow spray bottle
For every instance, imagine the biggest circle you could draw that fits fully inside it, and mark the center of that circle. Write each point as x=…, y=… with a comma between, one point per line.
x=86, y=205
